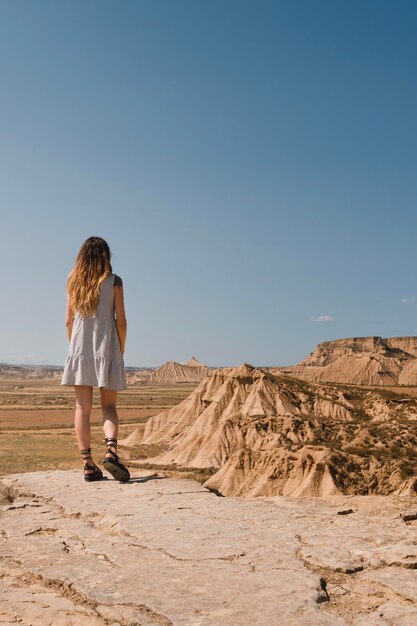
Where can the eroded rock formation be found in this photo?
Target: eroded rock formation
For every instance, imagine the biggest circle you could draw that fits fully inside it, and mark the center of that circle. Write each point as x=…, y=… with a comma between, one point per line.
x=265, y=434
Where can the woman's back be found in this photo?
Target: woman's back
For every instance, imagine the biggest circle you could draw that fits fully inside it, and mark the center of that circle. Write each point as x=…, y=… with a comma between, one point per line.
x=94, y=356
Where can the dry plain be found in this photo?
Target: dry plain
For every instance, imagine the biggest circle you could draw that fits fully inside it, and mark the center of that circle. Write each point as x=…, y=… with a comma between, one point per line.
x=36, y=421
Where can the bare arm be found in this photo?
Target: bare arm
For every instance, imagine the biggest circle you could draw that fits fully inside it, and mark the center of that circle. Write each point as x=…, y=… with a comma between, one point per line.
x=119, y=308
x=69, y=318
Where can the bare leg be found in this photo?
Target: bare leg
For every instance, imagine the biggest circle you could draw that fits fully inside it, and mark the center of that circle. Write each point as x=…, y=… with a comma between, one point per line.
x=83, y=406
x=112, y=462
x=110, y=416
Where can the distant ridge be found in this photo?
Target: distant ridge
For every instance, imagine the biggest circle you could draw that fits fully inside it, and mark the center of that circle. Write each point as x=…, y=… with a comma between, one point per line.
x=193, y=371
x=30, y=371
x=361, y=361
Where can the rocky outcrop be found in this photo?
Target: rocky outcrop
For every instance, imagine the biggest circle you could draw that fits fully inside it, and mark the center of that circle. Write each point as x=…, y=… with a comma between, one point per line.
x=408, y=345
x=160, y=552
x=172, y=372
x=268, y=434
x=361, y=361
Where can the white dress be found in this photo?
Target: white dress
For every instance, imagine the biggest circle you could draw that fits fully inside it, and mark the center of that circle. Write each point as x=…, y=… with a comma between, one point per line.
x=94, y=356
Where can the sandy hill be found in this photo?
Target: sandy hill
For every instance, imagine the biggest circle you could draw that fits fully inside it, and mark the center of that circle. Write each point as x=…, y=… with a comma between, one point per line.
x=361, y=361
x=172, y=372
x=264, y=434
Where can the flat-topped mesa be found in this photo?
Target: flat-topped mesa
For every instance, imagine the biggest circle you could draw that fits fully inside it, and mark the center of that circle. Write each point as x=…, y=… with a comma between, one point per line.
x=327, y=351
x=361, y=361
x=269, y=434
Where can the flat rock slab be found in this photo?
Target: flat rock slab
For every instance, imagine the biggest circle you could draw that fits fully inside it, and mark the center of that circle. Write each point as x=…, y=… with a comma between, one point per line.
x=160, y=552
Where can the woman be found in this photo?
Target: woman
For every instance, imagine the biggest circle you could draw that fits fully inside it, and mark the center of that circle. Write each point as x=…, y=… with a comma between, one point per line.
x=95, y=357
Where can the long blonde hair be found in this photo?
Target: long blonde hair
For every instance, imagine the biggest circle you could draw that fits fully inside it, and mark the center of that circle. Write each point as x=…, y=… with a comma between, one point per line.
x=91, y=267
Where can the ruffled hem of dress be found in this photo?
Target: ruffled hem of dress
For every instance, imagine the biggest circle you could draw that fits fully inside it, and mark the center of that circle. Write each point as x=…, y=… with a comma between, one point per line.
x=96, y=371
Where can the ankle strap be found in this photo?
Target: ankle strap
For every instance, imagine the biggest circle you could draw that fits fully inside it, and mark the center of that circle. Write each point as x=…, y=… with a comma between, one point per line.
x=86, y=454
x=111, y=442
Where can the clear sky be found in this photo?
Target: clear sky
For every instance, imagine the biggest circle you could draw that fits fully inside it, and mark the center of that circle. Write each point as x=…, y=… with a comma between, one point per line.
x=252, y=166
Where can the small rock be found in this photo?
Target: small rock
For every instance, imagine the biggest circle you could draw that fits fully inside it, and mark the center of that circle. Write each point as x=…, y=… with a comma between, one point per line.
x=349, y=569
x=322, y=596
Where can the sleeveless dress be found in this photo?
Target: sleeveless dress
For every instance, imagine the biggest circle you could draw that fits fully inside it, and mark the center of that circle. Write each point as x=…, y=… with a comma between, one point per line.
x=94, y=356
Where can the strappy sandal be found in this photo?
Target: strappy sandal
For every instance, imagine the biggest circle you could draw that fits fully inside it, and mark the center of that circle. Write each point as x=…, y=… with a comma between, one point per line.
x=113, y=465
x=96, y=473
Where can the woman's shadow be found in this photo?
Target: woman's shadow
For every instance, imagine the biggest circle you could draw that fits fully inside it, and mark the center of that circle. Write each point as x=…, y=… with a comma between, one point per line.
x=144, y=479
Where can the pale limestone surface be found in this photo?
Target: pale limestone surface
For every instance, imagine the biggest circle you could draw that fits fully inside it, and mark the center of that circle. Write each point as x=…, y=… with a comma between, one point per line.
x=158, y=551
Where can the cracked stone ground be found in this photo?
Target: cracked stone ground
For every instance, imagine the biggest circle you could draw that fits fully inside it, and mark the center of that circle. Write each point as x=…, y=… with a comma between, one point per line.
x=159, y=551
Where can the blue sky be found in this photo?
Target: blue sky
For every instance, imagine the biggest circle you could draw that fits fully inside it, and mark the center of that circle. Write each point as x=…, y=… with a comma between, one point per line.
x=252, y=166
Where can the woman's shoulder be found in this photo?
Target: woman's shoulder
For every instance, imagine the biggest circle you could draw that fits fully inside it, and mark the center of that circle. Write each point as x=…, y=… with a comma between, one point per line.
x=117, y=281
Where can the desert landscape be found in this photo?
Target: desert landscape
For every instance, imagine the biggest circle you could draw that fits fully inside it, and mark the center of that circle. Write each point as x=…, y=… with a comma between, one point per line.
x=276, y=491
x=208, y=207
